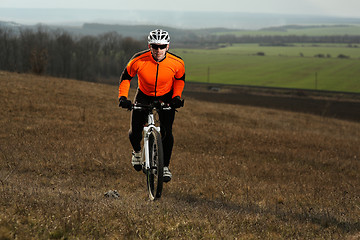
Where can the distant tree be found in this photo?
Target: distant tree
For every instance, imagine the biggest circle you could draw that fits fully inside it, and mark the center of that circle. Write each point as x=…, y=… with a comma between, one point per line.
x=86, y=53
x=33, y=48
x=39, y=60
x=131, y=46
x=343, y=56
x=27, y=43
x=8, y=46
x=110, y=46
x=61, y=54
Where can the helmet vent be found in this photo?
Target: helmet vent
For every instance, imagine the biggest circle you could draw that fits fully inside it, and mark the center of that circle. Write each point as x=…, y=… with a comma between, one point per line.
x=158, y=36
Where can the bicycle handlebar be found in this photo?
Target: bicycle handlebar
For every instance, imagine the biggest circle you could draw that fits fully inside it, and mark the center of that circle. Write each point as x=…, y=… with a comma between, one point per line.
x=158, y=105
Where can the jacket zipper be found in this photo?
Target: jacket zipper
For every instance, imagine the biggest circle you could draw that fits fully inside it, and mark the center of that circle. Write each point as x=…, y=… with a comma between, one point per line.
x=156, y=79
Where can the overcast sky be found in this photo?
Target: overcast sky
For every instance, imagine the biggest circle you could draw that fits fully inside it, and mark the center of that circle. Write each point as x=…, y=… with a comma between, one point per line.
x=341, y=8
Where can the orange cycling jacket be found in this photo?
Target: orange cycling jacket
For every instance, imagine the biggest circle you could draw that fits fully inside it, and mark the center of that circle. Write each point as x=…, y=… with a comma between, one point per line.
x=154, y=78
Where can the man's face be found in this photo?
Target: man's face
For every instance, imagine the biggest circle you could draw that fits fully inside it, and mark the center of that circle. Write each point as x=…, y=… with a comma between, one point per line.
x=158, y=51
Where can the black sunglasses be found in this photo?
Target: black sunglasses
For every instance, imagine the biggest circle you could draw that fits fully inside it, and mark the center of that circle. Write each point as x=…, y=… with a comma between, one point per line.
x=155, y=46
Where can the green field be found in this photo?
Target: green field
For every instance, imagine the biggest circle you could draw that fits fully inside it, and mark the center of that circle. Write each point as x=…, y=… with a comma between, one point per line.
x=323, y=30
x=291, y=67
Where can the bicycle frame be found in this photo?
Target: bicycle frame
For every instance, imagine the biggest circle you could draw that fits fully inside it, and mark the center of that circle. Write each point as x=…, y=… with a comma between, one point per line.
x=153, y=160
x=147, y=130
x=153, y=155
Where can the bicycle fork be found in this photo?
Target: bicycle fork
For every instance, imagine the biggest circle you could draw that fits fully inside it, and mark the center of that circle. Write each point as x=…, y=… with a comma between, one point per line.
x=147, y=132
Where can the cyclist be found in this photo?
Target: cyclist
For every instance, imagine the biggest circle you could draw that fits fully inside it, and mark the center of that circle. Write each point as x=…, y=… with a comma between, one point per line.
x=161, y=76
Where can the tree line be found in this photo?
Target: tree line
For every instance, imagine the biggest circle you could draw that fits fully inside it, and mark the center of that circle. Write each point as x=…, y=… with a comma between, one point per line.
x=269, y=40
x=102, y=57
x=58, y=53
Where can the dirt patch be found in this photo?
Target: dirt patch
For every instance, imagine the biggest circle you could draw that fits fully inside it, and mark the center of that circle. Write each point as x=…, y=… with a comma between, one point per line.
x=327, y=104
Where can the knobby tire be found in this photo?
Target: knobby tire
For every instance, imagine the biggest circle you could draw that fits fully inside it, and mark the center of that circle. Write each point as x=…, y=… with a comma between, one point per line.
x=156, y=171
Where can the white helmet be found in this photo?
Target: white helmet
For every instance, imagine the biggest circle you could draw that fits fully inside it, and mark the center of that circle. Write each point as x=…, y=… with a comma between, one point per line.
x=158, y=36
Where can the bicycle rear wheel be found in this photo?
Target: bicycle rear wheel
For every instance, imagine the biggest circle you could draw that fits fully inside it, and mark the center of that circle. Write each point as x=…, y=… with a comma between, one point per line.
x=155, y=173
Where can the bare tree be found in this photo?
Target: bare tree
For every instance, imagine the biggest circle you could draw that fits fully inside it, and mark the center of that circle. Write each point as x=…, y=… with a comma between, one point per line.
x=7, y=49
x=39, y=60
x=62, y=50
x=58, y=53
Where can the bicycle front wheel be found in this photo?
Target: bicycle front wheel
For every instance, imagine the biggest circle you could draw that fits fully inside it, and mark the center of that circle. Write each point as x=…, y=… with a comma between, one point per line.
x=156, y=171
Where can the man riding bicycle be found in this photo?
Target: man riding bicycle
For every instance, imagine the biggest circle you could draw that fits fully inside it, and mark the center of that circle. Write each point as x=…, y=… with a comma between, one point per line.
x=161, y=76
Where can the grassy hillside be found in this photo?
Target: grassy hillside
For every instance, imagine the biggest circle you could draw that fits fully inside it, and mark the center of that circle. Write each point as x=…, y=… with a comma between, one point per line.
x=291, y=67
x=238, y=171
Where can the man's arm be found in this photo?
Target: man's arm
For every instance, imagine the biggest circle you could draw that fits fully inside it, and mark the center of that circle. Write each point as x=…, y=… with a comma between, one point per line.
x=178, y=86
x=124, y=84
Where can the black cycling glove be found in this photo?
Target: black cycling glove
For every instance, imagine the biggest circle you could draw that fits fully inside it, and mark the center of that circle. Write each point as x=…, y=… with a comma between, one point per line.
x=176, y=102
x=124, y=102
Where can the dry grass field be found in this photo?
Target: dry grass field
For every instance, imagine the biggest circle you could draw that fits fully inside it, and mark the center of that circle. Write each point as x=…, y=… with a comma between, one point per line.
x=239, y=172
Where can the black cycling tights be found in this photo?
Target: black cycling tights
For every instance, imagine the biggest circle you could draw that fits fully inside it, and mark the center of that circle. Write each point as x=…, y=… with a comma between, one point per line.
x=139, y=119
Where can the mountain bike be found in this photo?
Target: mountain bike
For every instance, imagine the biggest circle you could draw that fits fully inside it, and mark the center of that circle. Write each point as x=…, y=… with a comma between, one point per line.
x=153, y=156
